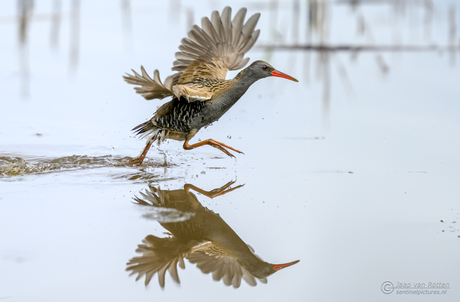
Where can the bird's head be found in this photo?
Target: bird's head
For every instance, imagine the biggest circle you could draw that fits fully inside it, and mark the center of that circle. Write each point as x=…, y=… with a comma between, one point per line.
x=260, y=69
x=267, y=269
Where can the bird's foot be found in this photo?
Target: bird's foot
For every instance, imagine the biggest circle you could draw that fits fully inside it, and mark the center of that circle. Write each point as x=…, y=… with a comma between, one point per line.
x=136, y=161
x=218, y=145
x=222, y=146
x=139, y=160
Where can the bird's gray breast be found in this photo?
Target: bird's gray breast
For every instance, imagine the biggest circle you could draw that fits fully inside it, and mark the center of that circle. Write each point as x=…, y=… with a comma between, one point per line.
x=213, y=110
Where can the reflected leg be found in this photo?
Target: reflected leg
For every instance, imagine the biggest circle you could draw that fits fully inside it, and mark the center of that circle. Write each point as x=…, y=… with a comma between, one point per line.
x=213, y=193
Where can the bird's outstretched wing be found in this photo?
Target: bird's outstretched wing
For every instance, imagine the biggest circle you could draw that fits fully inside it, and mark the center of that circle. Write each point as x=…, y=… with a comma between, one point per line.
x=222, y=267
x=151, y=88
x=208, y=53
x=217, y=46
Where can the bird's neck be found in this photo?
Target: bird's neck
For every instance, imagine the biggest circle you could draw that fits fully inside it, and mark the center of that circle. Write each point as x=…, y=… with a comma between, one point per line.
x=241, y=83
x=245, y=78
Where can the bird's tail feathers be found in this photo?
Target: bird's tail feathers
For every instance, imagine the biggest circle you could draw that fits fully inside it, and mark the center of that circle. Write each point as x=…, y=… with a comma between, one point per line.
x=150, y=131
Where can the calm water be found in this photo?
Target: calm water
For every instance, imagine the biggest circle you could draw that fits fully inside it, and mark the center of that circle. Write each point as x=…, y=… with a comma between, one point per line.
x=354, y=170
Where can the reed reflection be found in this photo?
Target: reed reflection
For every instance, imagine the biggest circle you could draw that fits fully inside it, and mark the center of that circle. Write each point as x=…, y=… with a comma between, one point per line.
x=25, y=11
x=199, y=235
x=310, y=29
x=323, y=57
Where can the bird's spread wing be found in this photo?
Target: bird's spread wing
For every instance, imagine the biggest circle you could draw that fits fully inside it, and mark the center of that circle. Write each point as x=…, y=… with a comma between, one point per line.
x=154, y=89
x=151, y=88
x=215, y=47
x=226, y=268
x=208, y=53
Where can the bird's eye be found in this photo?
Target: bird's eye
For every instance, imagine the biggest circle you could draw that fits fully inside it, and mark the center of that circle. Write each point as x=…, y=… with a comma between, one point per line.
x=265, y=67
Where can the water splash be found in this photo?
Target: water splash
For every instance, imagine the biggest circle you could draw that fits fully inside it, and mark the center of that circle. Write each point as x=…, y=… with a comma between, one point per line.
x=15, y=166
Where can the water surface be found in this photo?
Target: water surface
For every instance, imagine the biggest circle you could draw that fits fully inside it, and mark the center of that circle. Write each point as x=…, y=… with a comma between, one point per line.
x=354, y=170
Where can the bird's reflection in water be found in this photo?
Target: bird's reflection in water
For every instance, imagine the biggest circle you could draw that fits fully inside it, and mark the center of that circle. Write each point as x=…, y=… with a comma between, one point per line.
x=199, y=235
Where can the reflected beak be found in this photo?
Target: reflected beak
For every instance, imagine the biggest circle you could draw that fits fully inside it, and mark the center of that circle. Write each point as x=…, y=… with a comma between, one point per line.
x=277, y=267
x=279, y=74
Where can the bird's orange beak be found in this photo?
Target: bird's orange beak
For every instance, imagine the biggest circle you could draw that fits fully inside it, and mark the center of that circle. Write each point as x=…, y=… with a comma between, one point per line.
x=279, y=74
x=280, y=266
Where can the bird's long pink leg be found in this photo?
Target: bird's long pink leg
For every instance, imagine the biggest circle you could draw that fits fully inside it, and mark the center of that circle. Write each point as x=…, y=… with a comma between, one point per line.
x=213, y=143
x=140, y=159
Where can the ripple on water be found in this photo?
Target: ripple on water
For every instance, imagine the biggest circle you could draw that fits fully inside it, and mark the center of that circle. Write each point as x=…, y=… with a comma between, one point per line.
x=14, y=166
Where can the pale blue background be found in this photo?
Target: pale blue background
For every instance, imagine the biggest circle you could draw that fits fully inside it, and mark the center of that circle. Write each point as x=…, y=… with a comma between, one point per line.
x=355, y=191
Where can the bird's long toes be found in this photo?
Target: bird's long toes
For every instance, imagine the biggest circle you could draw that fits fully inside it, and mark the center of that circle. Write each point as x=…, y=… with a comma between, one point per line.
x=231, y=182
x=224, y=187
x=236, y=150
x=227, y=152
x=135, y=161
x=237, y=187
x=233, y=150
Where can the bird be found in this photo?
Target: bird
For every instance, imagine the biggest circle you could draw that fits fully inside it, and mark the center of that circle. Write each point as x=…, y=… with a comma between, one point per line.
x=200, y=92
x=199, y=235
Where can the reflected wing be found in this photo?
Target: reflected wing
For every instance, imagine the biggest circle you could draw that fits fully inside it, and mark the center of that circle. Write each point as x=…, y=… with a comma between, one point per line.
x=160, y=207
x=218, y=46
x=158, y=256
x=224, y=268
